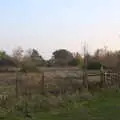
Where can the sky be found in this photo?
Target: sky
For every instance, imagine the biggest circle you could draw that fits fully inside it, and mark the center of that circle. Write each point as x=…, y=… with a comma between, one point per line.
x=48, y=25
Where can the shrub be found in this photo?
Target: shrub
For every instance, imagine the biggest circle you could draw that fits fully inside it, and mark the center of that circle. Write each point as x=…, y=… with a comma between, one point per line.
x=94, y=65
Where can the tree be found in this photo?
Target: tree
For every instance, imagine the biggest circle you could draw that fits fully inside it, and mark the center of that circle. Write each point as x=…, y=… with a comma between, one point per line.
x=100, y=53
x=5, y=60
x=107, y=59
x=3, y=55
x=110, y=60
x=50, y=62
x=18, y=55
x=62, y=57
x=32, y=60
x=77, y=60
x=35, y=53
x=37, y=58
x=93, y=63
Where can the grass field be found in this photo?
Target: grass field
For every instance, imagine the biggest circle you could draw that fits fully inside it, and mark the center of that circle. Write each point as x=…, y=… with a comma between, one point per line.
x=103, y=106
x=65, y=80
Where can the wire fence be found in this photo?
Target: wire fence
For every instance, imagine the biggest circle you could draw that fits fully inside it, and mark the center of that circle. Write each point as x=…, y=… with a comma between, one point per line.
x=55, y=82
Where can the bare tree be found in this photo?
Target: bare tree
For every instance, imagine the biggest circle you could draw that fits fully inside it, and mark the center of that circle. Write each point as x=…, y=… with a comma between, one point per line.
x=18, y=55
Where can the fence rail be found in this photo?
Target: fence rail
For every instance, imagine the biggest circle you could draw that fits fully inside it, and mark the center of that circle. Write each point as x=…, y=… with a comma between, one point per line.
x=111, y=79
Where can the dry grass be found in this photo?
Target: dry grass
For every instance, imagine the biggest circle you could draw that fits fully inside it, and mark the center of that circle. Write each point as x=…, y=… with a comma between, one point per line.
x=56, y=80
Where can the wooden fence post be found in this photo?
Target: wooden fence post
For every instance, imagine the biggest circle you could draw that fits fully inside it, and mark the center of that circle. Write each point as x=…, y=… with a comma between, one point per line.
x=102, y=78
x=85, y=79
x=118, y=79
x=16, y=84
x=42, y=84
x=85, y=72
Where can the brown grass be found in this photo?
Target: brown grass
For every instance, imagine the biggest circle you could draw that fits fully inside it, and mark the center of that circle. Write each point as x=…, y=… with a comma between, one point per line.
x=60, y=80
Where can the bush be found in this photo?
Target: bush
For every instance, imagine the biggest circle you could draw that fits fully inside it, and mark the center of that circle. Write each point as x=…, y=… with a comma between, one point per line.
x=94, y=65
x=74, y=62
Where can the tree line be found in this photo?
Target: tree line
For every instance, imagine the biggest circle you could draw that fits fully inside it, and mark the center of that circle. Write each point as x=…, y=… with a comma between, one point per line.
x=60, y=58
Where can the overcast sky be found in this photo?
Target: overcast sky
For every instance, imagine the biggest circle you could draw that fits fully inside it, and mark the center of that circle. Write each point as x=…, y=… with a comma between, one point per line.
x=52, y=24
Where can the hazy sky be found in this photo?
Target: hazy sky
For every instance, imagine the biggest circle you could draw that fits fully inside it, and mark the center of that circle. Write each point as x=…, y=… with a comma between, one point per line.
x=52, y=24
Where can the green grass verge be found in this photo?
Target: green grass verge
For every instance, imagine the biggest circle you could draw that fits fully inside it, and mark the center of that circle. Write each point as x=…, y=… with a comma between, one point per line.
x=104, y=106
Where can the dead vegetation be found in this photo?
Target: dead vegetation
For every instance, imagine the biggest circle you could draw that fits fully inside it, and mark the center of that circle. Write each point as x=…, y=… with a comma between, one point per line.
x=55, y=81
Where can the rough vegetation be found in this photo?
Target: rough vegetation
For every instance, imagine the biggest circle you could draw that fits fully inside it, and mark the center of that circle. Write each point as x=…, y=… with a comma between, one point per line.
x=82, y=107
x=33, y=88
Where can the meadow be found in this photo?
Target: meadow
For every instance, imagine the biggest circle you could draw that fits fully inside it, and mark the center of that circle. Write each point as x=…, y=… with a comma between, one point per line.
x=64, y=97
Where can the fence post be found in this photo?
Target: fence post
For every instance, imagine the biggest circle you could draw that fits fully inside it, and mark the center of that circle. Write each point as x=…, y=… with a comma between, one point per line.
x=85, y=79
x=102, y=79
x=117, y=83
x=85, y=72
x=119, y=79
x=16, y=84
x=42, y=84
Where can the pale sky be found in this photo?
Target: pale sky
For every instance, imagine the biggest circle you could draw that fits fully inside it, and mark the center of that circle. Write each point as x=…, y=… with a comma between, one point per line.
x=52, y=24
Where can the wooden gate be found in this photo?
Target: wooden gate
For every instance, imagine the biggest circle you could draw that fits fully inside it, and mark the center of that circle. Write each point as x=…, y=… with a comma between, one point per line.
x=111, y=79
